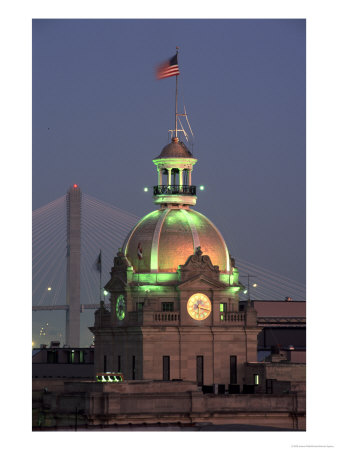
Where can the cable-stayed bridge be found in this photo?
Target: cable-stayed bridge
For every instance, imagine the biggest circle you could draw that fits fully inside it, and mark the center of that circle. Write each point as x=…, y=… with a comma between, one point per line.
x=103, y=227
x=68, y=238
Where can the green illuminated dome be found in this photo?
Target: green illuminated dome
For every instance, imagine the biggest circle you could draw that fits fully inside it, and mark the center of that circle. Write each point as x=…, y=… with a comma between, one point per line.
x=169, y=236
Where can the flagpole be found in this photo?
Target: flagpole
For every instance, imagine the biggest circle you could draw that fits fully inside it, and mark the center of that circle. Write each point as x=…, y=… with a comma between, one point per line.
x=176, y=97
x=100, y=275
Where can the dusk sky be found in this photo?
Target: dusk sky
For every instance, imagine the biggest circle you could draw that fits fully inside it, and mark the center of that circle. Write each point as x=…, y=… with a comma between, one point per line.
x=100, y=117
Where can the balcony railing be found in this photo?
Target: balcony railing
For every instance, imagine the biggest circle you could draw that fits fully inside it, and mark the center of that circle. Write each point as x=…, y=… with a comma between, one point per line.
x=166, y=317
x=175, y=189
x=139, y=318
x=233, y=317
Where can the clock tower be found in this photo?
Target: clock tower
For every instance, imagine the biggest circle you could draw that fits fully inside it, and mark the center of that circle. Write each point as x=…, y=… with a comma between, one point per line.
x=174, y=292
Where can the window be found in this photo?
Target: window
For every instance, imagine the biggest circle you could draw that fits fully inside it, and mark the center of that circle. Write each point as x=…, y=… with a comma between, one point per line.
x=134, y=368
x=105, y=363
x=81, y=356
x=223, y=310
x=169, y=306
x=233, y=369
x=139, y=306
x=199, y=370
x=52, y=356
x=269, y=387
x=166, y=368
x=119, y=363
x=256, y=379
x=71, y=357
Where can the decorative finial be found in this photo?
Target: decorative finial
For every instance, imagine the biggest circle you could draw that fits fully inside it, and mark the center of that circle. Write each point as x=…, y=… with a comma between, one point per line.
x=198, y=251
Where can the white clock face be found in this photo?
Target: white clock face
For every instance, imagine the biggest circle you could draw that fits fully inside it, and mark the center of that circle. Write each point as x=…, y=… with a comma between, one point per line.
x=199, y=306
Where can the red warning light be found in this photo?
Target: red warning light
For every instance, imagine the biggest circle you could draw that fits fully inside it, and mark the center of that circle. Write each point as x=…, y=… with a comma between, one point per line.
x=75, y=186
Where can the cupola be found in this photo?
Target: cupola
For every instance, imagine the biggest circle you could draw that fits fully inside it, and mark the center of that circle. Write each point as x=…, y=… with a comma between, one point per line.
x=174, y=167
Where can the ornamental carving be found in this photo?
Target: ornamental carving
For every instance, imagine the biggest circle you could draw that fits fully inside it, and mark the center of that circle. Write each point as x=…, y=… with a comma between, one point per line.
x=120, y=262
x=199, y=263
x=118, y=273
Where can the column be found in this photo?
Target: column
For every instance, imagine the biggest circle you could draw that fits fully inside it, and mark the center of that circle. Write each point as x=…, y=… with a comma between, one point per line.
x=181, y=177
x=169, y=177
x=189, y=174
x=159, y=177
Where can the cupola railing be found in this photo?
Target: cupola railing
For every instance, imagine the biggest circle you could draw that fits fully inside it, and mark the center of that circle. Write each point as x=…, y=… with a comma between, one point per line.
x=174, y=189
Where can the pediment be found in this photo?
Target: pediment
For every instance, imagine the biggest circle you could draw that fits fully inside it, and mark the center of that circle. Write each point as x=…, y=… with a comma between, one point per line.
x=199, y=265
x=199, y=262
x=116, y=283
x=200, y=281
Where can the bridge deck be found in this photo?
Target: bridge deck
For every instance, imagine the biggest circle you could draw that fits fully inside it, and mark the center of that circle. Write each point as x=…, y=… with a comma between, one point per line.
x=63, y=307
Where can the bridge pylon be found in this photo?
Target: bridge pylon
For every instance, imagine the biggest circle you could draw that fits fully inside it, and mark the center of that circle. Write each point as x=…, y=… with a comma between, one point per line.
x=73, y=301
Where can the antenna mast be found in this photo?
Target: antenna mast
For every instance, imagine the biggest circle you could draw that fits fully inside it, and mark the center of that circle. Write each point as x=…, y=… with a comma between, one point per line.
x=175, y=131
x=176, y=97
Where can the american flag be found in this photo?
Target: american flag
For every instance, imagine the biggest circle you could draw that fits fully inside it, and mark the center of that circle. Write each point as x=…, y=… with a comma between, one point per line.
x=168, y=69
x=139, y=251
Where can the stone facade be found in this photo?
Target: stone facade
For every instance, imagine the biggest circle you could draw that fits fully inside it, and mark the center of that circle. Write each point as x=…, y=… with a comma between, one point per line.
x=89, y=405
x=157, y=325
x=276, y=375
x=55, y=362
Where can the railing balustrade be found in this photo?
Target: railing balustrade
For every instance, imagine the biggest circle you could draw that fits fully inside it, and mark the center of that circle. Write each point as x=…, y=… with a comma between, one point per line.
x=174, y=189
x=166, y=317
x=234, y=317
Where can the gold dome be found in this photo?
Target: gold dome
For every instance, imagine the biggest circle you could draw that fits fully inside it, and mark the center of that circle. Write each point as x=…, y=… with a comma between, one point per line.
x=169, y=236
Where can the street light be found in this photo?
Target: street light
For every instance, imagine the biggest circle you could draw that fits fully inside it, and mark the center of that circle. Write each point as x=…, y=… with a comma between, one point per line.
x=248, y=284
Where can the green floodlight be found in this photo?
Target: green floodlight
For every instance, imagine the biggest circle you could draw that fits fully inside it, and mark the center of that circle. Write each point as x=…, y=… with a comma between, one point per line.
x=202, y=188
x=105, y=292
x=145, y=189
x=245, y=291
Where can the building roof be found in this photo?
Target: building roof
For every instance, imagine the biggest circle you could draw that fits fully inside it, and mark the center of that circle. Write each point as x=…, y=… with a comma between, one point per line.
x=267, y=308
